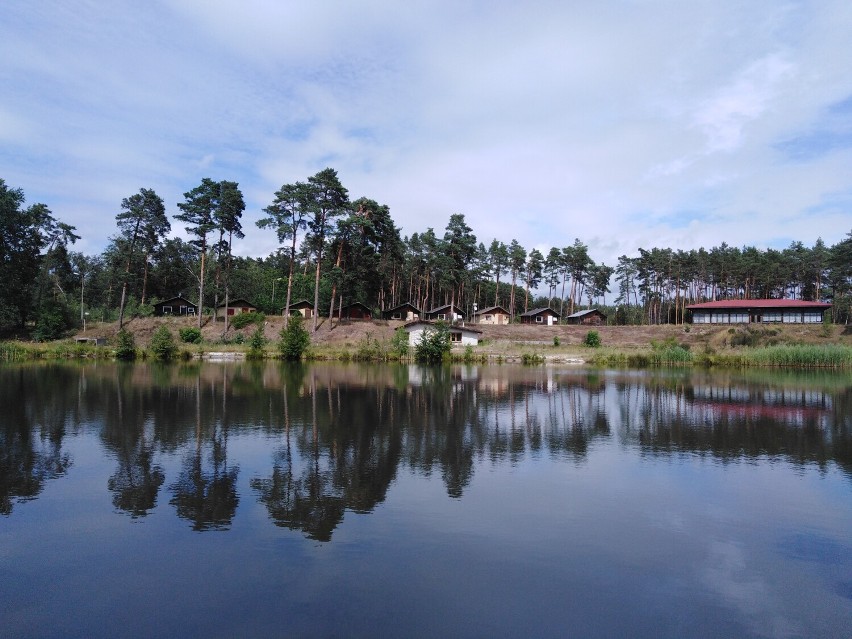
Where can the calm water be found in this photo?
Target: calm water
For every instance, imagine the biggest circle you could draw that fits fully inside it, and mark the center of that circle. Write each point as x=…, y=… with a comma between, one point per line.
x=269, y=500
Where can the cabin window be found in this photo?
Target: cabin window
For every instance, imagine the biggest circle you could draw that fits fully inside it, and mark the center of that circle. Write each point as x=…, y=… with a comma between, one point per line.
x=167, y=310
x=455, y=337
x=772, y=317
x=792, y=318
x=700, y=318
x=396, y=316
x=442, y=316
x=488, y=318
x=813, y=318
x=539, y=319
x=739, y=318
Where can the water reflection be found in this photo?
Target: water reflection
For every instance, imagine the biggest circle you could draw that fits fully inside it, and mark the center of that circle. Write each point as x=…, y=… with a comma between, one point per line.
x=338, y=436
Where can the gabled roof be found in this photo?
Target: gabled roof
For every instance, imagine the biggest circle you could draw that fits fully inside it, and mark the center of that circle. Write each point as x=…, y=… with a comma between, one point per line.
x=175, y=299
x=588, y=311
x=405, y=305
x=445, y=306
x=537, y=311
x=492, y=309
x=358, y=304
x=240, y=301
x=763, y=303
x=302, y=304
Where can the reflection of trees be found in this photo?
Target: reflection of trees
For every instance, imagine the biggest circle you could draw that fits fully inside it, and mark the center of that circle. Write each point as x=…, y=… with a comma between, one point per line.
x=32, y=426
x=207, y=496
x=343, y=432
x=136, y=482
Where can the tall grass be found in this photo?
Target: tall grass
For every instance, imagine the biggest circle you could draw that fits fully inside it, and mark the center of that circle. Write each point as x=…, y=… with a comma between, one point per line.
x=801, y=356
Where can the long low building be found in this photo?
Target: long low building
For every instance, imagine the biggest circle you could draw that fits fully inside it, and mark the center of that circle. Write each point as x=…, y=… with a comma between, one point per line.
x=758, y=311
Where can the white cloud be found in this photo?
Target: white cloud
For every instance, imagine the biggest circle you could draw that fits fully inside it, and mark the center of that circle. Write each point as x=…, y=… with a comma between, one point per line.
x=624, y=124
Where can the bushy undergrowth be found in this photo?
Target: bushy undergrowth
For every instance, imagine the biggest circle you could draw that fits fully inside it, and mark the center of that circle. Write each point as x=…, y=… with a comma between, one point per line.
x=592, y=339
x=125, y=348
x=242, y=320
x=294, y=339
x=190, y=335
x=163, y=345
x=530, y=359
x=434, y=344
x=256, y=343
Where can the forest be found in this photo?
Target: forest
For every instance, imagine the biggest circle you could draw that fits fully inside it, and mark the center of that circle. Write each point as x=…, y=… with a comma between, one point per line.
x=334, y=250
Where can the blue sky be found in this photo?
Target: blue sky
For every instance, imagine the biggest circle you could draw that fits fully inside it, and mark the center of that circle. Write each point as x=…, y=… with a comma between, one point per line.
x=627, y=124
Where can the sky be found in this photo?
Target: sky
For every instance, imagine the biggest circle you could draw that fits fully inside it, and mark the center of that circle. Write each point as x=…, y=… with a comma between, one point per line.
x=624, y=123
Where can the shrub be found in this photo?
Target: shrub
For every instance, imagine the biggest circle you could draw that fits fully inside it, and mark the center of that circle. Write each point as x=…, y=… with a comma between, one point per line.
x=190, y=335
x=529, y=359
x=256, y=343
x=294, y=339
x=125, y=345
x=52, y=322
x=163, y=344
x=434, y=344
x=399, y=343
x=556, y=340
x=242, y=320
x=371, y=350
x=592, y=339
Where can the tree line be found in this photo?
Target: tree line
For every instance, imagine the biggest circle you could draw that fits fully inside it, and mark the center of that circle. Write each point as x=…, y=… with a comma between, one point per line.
x=334, y=251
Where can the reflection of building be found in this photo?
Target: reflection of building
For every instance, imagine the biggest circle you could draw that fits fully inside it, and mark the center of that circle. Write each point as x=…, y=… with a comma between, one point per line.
x=758, y=311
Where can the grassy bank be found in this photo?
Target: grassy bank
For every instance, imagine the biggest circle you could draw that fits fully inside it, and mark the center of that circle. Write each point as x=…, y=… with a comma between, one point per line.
x=794, y=347
x=801, y=356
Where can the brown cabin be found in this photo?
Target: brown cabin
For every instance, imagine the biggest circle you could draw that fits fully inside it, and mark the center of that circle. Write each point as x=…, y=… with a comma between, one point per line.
x=543, y=316
x=356, y=312
x=408, y=312
x=589, y=317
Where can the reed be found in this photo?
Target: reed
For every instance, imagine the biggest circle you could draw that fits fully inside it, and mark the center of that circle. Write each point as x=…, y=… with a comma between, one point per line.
x=800, y=356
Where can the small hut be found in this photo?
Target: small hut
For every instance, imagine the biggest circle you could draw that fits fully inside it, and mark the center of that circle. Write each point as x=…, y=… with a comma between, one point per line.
x=589, y=317
x=175, y=306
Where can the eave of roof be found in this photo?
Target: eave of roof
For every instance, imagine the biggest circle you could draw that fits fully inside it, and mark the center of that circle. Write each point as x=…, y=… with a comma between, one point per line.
x=765, y=303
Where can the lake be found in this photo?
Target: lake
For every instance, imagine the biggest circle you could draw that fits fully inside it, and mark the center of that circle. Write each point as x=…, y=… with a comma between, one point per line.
x=347, y=500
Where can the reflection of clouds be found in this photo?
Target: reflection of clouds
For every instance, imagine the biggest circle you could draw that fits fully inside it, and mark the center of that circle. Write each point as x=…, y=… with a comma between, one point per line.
x=738, y=582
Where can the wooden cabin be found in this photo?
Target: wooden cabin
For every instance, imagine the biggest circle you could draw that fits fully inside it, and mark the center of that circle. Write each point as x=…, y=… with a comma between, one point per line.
x=237, y=306
x=544, y=316
x=494, y=315
x=446, y=313
x=175, y=306
x=407, y=312
x=764, y=311
x=303, y=308
x=356, y=312
x=589, y=317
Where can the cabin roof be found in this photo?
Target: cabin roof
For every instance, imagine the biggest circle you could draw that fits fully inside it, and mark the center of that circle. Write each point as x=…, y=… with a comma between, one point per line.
x=762, y=303
x=588, y=311
x=492, y=309
x=240, y=301
x=175, y=299
x=537, y=311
